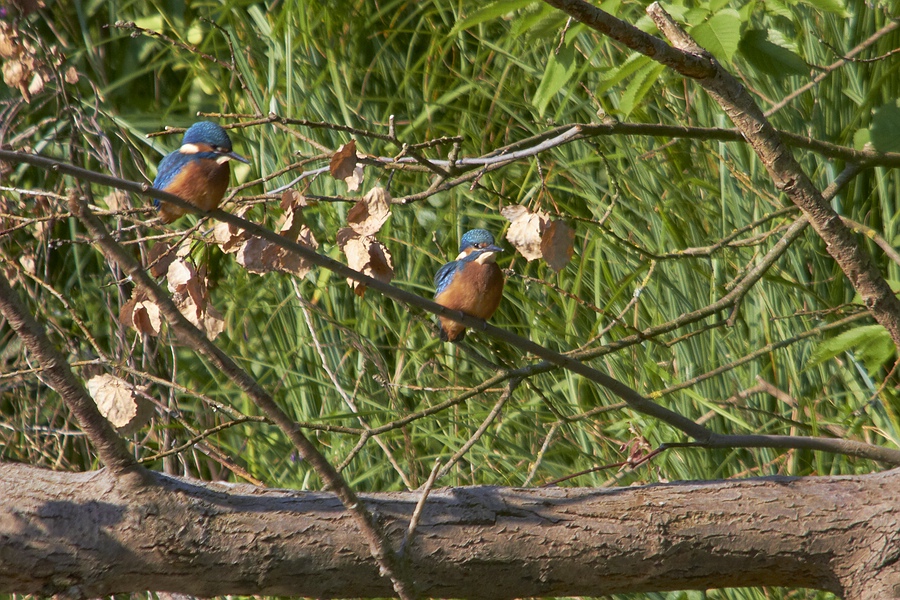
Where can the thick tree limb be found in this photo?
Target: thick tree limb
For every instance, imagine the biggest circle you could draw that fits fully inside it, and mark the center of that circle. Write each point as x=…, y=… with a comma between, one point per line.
x=690, y=60
x=80, y=535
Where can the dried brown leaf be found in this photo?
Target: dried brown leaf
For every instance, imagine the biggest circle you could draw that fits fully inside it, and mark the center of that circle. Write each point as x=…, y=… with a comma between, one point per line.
x=125, y=313
x=355, y=179
x=145, y=318
x=228, y=237
x=367, y=255
x=526, y=230
x=558, y=245
x=28, y=263
x=343, y=161
x=178, y=275
x=118, y=403
x=9, y=43
x=116, y=200
x=369, y=214
x=159, y=257
x=293, y=199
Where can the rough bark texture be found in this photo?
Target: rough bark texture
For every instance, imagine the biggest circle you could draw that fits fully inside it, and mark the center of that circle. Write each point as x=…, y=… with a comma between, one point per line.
x=89, y=535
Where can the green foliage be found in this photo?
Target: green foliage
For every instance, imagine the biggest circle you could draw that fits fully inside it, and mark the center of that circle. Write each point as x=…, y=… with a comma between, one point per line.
x=885, y=130
x=872, y=344
x=769, y=58
x=720, y=34
x=492, y=75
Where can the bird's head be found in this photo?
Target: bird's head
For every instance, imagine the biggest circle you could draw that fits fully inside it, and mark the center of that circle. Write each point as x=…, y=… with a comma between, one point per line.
x=206, y=136
x=478, y=243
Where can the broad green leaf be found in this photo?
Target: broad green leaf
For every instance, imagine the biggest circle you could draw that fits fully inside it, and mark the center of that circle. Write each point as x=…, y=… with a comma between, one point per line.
x=776, y=8
x=638, y=88
x=721, y=34
x=885, y=128
x=769, y=58
x=611, y=6
x=633, y=64
x=560, y=69
x=871, y=343
x=861, y=138
x=837, y=7
x=489, y=13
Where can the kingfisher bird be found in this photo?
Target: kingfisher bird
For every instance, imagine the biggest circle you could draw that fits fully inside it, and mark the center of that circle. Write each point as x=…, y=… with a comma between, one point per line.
x=198, y=172
x=473, y=283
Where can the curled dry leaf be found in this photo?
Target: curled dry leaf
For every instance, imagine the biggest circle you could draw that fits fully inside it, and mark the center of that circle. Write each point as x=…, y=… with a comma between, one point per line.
x=293, y=199
x=190, y=296
x=22, y=69
x=116, y=200
x=159, y=257
x=10, y=47
x=369, y=214
x=343, y=165
x=145, y=318
x=141, y=314
x=262, y=256
x=526, y=229
x=118, y=402
x=228, y=237
x=558, y=244
x=28, y=263
x=367, y=255
x=535, y=236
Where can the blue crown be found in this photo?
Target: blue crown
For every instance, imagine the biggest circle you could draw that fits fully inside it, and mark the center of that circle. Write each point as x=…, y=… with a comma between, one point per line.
x=475, y=236
x=207, y=132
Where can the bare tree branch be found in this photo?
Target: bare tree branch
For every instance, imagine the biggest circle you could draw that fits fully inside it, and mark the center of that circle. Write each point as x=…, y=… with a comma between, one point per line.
x=690, y=60
x=552, y=359
x=193, y=338
x=110, y=446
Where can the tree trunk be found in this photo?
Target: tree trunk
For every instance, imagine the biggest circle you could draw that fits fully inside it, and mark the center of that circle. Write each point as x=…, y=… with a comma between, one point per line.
x=90, y=534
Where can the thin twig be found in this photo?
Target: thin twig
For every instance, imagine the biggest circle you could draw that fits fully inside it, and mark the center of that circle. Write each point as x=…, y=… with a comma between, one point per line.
x=420, y=508
x=495, y=412
x=340, y=389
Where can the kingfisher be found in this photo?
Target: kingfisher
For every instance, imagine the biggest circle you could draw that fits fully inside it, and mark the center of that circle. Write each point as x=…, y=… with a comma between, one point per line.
x=473, y=283
x=198, y=172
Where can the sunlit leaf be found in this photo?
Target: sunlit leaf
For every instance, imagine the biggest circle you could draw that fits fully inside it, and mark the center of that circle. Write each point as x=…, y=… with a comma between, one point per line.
x=118, y=402
x=720, y=34
x=638, y=87
x=837, y=7
x=489, y=13
x=872, y=343
x=560, y=68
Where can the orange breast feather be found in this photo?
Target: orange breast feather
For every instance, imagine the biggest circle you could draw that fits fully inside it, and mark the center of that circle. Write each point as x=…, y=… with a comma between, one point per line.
x=475, y=290
x=200, y=182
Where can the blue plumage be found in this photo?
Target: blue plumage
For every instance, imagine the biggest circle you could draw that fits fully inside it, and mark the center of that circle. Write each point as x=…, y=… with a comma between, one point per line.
x=473, y=283
x=198, y=171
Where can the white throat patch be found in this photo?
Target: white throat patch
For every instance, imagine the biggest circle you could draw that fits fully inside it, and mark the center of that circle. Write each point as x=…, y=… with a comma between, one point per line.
x=486, y=257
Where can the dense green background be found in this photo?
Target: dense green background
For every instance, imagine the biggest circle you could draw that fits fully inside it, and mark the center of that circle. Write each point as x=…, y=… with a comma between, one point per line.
x=491, y=74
